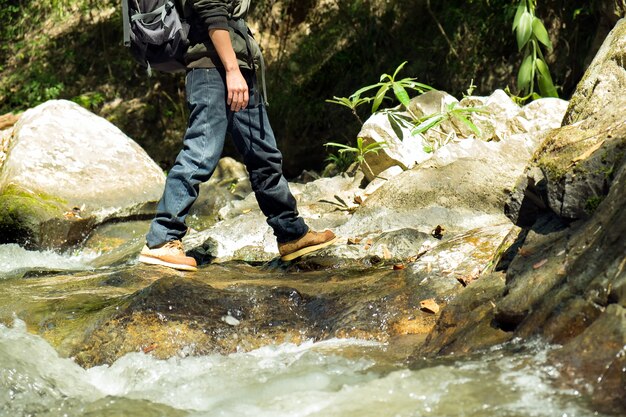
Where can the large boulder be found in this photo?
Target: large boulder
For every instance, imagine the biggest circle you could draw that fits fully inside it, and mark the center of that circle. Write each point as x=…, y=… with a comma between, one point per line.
x=572, y=171
x=462, y=187
x=497, y=118
x=68, y=170
x=565, y=278
x=605, y=79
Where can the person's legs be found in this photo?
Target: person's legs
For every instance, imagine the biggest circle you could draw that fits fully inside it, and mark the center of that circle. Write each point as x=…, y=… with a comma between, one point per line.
x=202, y=148
x=255, y=140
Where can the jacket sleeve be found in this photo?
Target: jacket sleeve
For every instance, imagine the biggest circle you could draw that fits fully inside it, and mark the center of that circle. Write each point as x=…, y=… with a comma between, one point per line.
x=214, y=13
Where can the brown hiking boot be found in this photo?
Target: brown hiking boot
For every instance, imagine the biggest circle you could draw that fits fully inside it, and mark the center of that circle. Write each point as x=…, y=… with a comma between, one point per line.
x=170, y=254
x=308, y=243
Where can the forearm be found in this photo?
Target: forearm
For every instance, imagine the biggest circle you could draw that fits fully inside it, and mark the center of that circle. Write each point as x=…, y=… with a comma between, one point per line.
x=223, y=46
x=237, y=87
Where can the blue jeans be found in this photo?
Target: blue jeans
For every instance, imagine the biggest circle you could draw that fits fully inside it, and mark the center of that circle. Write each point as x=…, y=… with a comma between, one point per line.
x=209, y=120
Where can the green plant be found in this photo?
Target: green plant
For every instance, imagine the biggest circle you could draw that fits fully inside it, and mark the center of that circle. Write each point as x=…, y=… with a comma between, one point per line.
x=341, y=160
x=399, y=120
x=90, y=100
x=359, y=151
x=387, y=82
x=351, y=102
x=530, y=33
x=451, y=112
x=399, y=87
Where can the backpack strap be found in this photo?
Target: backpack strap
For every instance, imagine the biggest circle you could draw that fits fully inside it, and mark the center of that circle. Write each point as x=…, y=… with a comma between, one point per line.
x=126, y=23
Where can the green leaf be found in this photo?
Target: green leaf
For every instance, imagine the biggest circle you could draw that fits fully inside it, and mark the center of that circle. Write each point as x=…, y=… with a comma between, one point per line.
x=397, y=129
x=521, y=8
x=401, y=94
x=402, y=119
x=428, y=123
x=543, y=68
x=341, y=101
x=360, y=91
x=541, y=33
x=380, y=96
x=546, y=86
x=467, y=122
x=342, y=147
x=525, y=73
x=414, y=85
x=524, y=29
x=398, y=70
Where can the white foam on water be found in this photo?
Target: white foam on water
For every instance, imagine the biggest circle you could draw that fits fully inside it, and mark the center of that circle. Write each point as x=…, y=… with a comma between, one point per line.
x=307, y=380
x=14, y=258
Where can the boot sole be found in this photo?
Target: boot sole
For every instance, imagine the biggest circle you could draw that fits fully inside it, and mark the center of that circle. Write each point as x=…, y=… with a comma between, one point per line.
x=155, y=261
x=305, y=250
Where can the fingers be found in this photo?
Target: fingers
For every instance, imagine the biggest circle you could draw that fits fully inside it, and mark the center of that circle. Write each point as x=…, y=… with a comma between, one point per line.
x=238, y=100
x=238, y=94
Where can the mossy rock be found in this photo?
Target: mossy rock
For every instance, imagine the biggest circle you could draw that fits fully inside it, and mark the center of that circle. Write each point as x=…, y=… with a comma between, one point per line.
x=38, y=220
x=580, y=161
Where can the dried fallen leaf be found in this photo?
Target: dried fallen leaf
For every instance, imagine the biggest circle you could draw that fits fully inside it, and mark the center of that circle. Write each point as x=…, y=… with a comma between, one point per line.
x=149, y=348
x=540, y=263
x=429, y=306
x=398, y=267
x=354, y=240
x=470, y=277
x=358, y=199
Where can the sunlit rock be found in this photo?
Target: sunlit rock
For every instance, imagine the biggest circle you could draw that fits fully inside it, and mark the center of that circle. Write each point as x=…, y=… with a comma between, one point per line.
x=496, y=117
x=463, y=188
x=604, y=81
x=68, y=170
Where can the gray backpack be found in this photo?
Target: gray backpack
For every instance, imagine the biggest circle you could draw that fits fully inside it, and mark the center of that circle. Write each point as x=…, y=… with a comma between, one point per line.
x=155, y=33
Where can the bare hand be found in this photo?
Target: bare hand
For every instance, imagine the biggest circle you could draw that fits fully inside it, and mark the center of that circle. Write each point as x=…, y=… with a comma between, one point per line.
x=237, y=90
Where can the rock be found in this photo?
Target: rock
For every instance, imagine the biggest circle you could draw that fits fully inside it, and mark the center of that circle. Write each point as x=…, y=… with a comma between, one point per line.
x=228, y=183
x=404, y=152
x=465, y=324
x=537, y=269
x=594, y=361
x=572, y=170
x=68, y=170
x=242, y=232
x=218, y=309
x=604, y=81
x=463, y=187
x=498, y=119
x=580, y=161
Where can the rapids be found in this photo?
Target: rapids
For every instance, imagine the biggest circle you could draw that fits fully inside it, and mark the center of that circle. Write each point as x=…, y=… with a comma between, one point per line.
x=337, y=377
x=331, y=378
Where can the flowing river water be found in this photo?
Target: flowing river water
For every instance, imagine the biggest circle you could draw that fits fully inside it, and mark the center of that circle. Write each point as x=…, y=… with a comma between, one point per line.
x=337, y=377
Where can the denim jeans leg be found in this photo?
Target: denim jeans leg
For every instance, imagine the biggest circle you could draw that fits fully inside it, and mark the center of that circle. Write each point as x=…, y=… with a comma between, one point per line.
x=255, y=140
x=202, y=147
